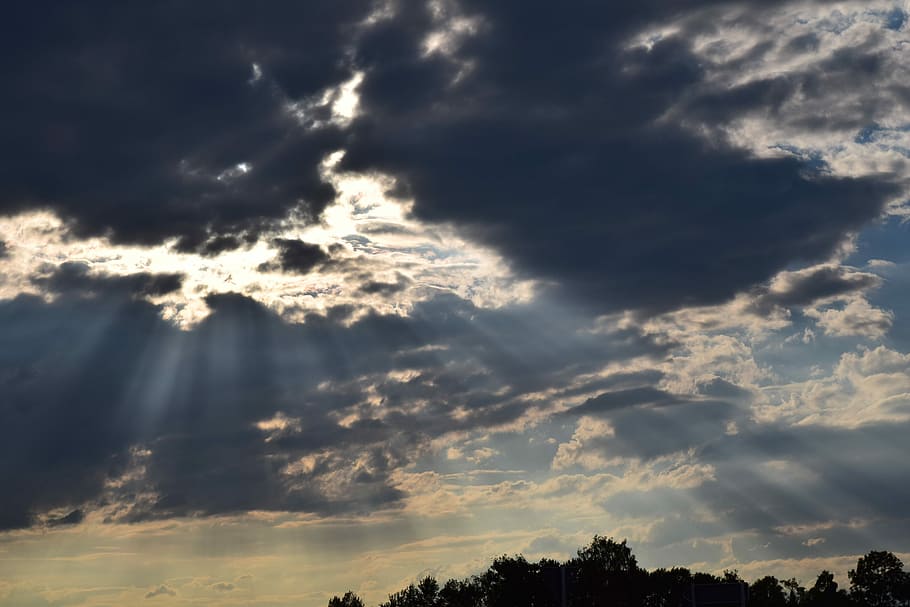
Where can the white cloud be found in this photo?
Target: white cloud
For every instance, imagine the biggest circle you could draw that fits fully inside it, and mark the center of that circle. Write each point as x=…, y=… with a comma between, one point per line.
x=858, y=318
x=865, y=387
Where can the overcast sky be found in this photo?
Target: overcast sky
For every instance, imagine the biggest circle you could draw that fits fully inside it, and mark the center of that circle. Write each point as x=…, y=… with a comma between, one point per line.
x=302, y=297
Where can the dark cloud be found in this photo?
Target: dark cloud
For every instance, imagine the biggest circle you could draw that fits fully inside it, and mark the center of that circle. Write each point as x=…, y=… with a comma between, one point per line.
x=625, y=210
x=4, y=250
x=770, y=476
x=782, y=486
x=616, y=382
x=632, y=397
x=295, y=256
x=808, y=286
x=99, y=388
x=161, y=590
x=722, y=389
x=794, y=98
x=377, y=287
x=64, y=371
x=212, y=246
x=542, y=135
x=804, y=43
x=76, y=277
x=144, y=122
x=649, y=423
x=73, y=518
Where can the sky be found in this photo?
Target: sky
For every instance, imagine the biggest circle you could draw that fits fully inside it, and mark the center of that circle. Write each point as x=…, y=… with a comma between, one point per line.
x=303, y=297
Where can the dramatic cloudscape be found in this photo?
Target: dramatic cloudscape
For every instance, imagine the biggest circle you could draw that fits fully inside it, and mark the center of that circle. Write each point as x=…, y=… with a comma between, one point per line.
x=303, y=297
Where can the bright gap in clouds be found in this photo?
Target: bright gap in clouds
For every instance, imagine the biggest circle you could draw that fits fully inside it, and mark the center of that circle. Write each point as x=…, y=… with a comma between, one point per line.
x=377, y=258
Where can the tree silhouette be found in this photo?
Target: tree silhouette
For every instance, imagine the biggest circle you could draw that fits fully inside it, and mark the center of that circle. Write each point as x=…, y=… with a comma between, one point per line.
x=767, y=592
x=461, y=593
x=606, y=574
x=609, y=556
x=824, y=593
x=794, y=591
x=879, y=580
x=424, y=594
x=348, y=600
x=511, y=581
x=667, y=587
x=731, y=576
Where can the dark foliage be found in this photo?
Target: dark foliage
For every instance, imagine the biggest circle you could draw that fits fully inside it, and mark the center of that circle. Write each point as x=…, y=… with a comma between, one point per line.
x=607, y=573
x=879, y=580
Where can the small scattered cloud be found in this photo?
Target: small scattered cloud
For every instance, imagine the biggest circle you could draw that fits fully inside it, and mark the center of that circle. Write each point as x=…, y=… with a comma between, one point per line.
x=858, y=318
x=386, y=289
x=161, y=590
x=802, y=288
x=295, y=257
x=73, y=518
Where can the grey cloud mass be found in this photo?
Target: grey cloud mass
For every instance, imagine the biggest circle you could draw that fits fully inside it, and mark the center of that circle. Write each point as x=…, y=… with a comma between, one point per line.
x=540, y=131
x=544, y=135
x=813, y=284
x=148, y=122
x=777, y=485
x=80, y=415
x=295, y=257
x=74, y=277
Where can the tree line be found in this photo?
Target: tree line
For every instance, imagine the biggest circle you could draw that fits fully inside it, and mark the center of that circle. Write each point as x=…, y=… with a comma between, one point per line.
x=606, y=574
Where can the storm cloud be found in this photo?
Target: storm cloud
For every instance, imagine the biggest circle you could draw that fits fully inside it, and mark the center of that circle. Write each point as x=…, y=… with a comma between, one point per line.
x=543, y=133
x=170, y=120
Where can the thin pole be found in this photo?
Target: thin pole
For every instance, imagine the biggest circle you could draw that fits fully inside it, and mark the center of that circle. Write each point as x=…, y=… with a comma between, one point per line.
x=562, y=571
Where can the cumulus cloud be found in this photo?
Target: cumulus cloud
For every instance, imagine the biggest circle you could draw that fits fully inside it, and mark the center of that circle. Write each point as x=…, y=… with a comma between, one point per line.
x=856, y=318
